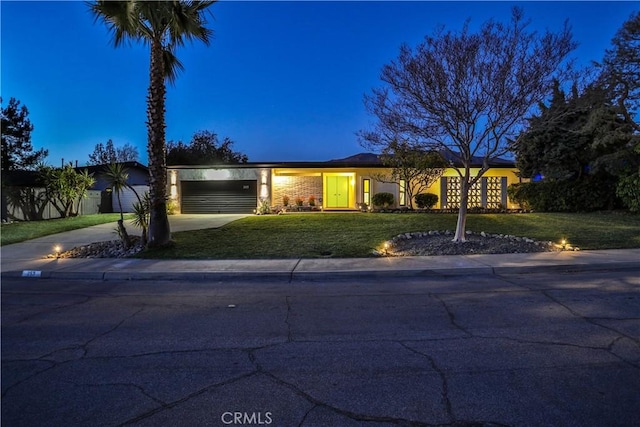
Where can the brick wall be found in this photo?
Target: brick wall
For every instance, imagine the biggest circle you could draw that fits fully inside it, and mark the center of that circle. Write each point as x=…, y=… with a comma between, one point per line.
x=293, y=186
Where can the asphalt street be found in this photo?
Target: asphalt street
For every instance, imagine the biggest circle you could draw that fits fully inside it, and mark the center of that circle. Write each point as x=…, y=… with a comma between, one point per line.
x=552, y=349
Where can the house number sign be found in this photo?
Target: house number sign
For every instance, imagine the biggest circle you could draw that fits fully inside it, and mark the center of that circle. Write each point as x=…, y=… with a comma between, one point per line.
x=31, y=273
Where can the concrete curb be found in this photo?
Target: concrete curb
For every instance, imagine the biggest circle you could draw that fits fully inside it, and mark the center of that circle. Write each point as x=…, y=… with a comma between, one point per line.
x=289, y=276
x=196, y=276
x=618, y=266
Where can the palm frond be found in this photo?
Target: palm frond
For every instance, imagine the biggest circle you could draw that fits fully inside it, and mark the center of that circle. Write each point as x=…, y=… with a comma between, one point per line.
x=116, y=176
x=188, y=22
x=172, y=65
x=171, y=23
x=119, y=17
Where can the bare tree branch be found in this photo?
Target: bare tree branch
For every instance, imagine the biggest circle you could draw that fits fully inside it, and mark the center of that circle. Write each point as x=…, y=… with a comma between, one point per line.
x=466, y=94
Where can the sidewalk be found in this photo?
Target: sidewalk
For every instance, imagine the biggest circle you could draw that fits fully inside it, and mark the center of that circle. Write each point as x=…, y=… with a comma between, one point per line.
x=27, y=259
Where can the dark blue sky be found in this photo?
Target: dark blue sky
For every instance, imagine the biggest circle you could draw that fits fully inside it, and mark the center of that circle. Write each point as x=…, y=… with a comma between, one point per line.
x=284, y=80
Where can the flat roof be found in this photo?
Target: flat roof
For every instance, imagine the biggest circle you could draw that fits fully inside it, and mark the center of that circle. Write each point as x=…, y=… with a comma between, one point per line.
x=312, y=165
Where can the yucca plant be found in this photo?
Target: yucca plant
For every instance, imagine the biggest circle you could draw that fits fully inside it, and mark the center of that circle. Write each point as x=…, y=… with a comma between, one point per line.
x=117, y=176
x=141, y=210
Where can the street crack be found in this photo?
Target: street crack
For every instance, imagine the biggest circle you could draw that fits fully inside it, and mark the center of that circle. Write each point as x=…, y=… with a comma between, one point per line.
x=452, y=316
x=318, y=403
x=443, y=378
x=175, y=403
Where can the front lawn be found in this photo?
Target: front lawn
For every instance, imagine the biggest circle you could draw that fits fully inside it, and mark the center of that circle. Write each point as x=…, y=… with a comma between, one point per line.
x=25, y=230
x=357, y=234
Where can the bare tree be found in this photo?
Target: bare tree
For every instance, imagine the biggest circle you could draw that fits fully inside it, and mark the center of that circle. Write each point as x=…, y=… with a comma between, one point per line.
x=104, y=154
x=127, y=153
x=419, y=169
x=466, y=94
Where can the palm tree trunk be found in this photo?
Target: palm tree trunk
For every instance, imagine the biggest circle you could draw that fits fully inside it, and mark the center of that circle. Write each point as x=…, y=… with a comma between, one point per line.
x=159, y=231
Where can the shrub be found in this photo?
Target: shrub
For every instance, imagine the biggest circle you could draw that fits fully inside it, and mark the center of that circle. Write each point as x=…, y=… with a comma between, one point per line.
x=382, y=199
x=264, y=208
x=563, y=196
x=172, y=207
x=312, y=200
x=285, y=201
x=519, y=194
x=299, y=201
x=628, y=190
x=426, y=200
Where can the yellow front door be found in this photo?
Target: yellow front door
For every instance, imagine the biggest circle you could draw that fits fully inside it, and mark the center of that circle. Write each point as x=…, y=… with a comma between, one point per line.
x=338, y=192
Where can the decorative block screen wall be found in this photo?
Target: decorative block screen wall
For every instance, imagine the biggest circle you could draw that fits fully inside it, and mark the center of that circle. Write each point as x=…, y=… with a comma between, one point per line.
x=294, y=186
x=494, y=192
x=489, y=192
x=453, y=193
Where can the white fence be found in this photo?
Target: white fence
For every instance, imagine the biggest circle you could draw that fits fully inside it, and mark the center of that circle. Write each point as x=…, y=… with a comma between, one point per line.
x=88, y=205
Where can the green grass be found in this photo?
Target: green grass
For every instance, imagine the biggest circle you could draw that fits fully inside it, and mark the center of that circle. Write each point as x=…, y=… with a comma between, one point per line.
x=357, y=234
x=20, y=231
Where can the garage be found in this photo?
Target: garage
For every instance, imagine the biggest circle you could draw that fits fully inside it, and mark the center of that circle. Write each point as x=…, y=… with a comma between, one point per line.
x=206, y=197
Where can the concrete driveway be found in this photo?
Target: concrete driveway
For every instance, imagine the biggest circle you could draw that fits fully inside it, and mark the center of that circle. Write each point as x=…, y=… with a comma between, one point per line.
x=41, y=247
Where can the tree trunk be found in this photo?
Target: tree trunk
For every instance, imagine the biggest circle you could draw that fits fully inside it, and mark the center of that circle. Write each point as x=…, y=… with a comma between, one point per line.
x=462, y=212
x=120, y=205
x=159, y=231
x=122, y=231
x=144, y=236
x=124, y=236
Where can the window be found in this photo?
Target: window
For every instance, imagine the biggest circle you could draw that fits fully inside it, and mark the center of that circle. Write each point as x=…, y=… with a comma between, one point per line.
x=403, y=192
x=366, y=191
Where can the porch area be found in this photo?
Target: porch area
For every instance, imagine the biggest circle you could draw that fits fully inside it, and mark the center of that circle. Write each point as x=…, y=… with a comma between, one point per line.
x=314, y=191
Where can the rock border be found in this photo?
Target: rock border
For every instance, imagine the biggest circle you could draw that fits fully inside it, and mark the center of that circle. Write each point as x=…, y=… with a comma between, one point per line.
x=108, y=249
x=389, y=246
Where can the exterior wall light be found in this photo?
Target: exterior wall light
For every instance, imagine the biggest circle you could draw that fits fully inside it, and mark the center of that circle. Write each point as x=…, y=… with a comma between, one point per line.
x=264, y=186
x=264, y=192
x=174, y=185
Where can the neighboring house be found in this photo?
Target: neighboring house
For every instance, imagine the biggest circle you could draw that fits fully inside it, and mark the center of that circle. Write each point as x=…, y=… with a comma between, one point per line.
x=23, y=198
x=337, y=185
x=23, y=192
x=138, y=179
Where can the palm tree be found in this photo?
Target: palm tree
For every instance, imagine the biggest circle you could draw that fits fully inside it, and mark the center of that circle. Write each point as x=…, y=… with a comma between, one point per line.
x=163, y=26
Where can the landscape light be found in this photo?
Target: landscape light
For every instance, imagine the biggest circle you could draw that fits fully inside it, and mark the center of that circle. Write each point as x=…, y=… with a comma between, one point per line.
x=564, y=243
x=386, y=248
x=57, y=249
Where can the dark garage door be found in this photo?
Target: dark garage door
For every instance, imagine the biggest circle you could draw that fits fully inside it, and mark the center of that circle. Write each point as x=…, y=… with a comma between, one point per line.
x=203, y=197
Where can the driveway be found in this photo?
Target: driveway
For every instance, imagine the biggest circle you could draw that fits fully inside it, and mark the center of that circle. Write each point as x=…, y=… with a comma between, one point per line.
x=41, y=247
